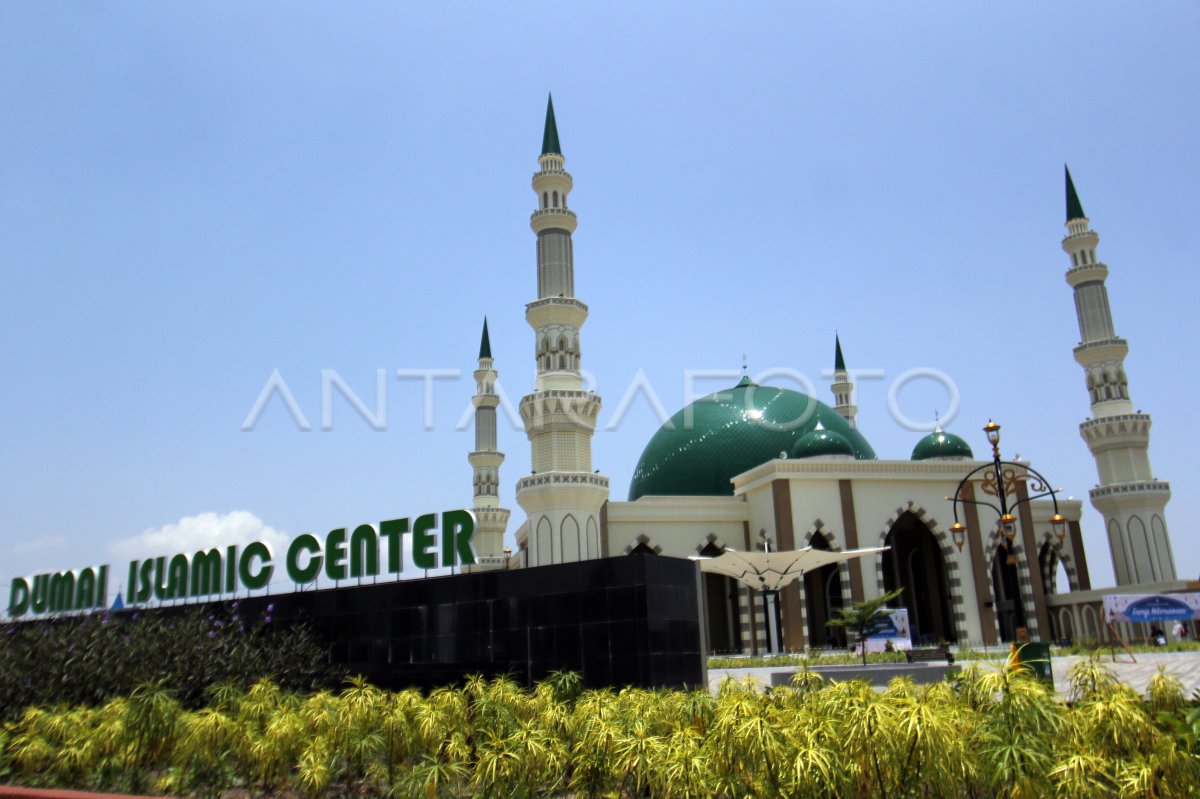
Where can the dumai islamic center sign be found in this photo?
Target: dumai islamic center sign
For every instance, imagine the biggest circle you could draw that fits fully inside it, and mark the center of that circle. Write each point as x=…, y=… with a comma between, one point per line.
x=215, y=571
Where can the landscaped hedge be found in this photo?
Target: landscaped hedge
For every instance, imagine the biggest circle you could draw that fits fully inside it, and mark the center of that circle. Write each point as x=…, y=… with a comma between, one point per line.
x=87, y=660
x=987, y=734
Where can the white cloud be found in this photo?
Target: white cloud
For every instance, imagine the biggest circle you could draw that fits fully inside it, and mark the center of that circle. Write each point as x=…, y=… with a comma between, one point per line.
x=203, y=531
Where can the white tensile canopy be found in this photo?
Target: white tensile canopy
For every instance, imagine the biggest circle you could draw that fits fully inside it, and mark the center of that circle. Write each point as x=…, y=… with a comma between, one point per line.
x=771, y=571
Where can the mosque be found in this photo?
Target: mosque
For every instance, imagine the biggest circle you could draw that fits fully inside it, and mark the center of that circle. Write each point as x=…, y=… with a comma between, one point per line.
x=756, y=467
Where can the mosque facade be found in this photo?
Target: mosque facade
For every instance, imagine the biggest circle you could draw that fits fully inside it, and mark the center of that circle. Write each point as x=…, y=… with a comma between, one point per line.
x=757, y=467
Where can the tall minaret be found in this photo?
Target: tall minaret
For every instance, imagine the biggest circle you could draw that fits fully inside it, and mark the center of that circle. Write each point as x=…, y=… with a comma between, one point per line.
x=562, y=496
x=1130, y=498
x=843, y=389
x=490, y=519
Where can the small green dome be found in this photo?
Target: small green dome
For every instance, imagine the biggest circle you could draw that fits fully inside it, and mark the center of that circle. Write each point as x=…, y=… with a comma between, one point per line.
x=940, y=444
x=822, y=443
x=700, y=449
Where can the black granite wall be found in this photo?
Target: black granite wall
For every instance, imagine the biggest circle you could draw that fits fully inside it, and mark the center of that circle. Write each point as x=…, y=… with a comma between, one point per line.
x=630, y=620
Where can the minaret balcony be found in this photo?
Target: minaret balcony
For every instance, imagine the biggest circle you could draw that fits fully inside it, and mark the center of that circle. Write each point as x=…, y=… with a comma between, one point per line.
x=1109, y=349
x=556, y=311
x=556, y=479
x=1083, y=238
x=553, y=219
x=485, y=459
x=1159, y=489
x=1121, y=429
x=1086, y=273
x=560, y=409
x=552, y=212
x=491, y=516
x=485, y=400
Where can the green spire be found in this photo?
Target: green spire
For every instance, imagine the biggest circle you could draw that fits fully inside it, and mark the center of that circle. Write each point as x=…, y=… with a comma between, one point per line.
x=485, y=344
x=839, y=363
x=550, y=137
x=1074, y=207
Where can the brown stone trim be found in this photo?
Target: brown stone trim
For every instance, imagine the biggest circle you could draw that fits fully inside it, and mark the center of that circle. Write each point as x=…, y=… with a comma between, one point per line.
x=750, y=605
x=1032, y=552
x=1078, y=558
x=850, y=521
x=785, y=539
x=979, y=568
x=604, y=529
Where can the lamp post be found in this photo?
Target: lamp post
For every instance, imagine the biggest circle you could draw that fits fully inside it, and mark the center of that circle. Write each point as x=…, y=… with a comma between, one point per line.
x=1000, y=478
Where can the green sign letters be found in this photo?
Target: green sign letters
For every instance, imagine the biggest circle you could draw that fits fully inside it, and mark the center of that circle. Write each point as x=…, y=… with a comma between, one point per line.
x=215, y=571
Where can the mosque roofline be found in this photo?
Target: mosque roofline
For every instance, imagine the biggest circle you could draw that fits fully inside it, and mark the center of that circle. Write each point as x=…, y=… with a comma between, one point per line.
x=900, y=470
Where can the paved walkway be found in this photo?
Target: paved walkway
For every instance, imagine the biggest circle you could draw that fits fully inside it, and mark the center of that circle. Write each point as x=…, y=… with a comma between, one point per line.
x=1184, y=665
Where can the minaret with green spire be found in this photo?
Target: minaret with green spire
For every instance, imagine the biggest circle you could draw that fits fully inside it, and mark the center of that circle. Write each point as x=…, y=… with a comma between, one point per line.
x=1132, y=500
x=843, y=389
x=491, y=520
x=563, y=495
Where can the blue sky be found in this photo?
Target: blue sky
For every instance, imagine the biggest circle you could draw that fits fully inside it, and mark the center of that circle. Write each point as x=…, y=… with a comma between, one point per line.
x=193, y=195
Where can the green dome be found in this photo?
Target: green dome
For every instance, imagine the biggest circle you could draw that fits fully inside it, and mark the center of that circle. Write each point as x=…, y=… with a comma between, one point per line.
x=940, y=444
x=822, y=443
x=704, y=446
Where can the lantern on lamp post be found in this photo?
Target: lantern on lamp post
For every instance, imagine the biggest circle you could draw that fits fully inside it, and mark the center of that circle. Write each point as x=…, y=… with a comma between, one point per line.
x=1000, y=479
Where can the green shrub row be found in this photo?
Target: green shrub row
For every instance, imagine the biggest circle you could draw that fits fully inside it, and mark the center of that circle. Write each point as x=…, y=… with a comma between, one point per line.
x=989, y=733
x=88, y=660
x=837, y=657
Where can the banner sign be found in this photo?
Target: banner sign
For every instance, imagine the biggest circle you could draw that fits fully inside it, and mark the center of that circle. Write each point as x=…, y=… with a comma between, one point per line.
x=895, y=629
x=1151, y=607
x=436, y=542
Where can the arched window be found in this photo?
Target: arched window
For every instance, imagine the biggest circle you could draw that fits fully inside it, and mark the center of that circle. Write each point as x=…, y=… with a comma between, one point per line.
x=545, y=200
x=555, y=196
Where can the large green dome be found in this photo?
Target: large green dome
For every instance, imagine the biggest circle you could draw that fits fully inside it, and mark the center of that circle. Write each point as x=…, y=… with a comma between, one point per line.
x=704, y=446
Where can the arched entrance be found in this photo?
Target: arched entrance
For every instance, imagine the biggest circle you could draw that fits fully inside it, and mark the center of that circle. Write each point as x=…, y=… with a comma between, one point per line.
x=1048, y=566
x=1010, y=612
x=915, y=563
x=721, y=604
x=822, y=599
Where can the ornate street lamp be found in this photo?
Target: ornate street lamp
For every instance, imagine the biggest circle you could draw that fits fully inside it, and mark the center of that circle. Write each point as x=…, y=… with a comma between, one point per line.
x=1000, y=482
x=1000, y=478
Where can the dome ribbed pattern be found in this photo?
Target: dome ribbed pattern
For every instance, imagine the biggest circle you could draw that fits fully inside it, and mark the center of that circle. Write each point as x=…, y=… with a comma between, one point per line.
x=939, y=444
x=705, y=445
x=822, y=443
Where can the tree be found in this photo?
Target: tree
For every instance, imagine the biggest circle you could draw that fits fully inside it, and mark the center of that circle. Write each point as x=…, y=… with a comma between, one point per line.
x=865, y=618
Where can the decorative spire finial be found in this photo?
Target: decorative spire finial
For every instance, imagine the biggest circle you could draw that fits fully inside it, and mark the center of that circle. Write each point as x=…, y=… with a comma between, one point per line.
x=1074, y=207
x=839, y=363
x=550, y=135
x=485, y=344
